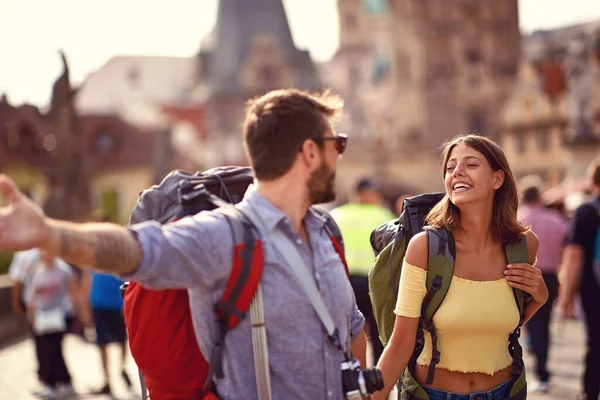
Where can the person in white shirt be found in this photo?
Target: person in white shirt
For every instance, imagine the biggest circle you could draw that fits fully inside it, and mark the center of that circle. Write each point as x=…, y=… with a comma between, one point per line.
x=52, y=283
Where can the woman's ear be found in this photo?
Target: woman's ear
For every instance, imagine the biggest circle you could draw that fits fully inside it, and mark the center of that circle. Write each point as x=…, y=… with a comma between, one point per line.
x=498, y=179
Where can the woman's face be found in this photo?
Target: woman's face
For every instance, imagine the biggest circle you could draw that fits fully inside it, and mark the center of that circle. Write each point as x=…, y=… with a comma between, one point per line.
x=469, y=177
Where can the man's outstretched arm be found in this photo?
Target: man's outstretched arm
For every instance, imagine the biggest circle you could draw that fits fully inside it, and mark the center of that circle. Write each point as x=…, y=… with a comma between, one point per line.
x=102, y=246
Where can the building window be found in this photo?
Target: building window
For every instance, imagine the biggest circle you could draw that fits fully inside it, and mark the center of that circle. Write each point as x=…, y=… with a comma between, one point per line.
x=403, y=66
x=268, y=76
x=543, y=141
x=104, y=143
x=472, y=56
x=354, y=77
x=26, y=141
x=109, y=203
x=520, y=136
x=477, y=123
x=350, y=21
x=441, y=72
x=414, y=138
x=133, y=77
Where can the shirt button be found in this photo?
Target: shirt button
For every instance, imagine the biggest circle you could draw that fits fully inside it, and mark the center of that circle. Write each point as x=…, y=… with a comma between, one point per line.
x=330, y=393
x=299, y=241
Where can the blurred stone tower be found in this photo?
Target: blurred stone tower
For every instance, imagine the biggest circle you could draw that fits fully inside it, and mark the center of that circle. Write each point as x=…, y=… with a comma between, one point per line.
x=252, y=52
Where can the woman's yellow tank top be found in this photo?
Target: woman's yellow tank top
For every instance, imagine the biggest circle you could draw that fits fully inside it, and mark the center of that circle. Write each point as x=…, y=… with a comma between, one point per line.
x=472, y=324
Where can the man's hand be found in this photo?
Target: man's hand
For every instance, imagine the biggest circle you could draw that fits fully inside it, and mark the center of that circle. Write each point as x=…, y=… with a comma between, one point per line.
x=22, y=222
x=566, y=307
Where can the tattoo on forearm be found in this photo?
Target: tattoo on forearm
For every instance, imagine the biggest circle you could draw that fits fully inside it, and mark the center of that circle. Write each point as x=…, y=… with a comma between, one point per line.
x=65, y=247
x=109, y=250
x=114, y=248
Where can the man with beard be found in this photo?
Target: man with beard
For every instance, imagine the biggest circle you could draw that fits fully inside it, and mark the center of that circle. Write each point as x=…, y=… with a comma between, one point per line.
x=293, y=150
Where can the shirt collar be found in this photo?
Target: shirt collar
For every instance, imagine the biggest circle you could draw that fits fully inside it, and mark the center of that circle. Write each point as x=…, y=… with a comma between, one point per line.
x=272, y=216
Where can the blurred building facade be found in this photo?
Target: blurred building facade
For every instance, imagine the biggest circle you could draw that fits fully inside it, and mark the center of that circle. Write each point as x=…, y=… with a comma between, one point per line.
x=71, y=163
x=412, y=73
x=417, y=73
x=538, y=123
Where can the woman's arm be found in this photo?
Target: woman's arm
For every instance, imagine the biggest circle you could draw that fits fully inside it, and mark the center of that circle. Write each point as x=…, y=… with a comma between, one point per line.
x=398, y=351
x=396, y=355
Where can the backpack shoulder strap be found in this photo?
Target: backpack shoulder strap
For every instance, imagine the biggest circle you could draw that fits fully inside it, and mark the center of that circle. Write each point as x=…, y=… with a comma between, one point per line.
x=335, y=235
x=517, y=253
x=246, y=271
x=440, y=269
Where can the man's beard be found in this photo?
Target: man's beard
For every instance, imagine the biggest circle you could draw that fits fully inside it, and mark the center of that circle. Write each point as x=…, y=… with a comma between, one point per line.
x=321, y=186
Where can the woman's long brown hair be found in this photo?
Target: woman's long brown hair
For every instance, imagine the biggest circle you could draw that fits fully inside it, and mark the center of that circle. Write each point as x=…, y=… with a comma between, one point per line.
x=505, y=225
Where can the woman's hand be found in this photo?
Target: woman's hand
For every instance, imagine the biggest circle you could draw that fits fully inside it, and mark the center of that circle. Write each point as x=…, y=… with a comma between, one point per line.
x=529, y=279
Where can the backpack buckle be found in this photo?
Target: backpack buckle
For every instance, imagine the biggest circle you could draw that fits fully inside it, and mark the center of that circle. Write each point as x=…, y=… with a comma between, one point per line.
x=436, y=284
x=516, y=369
x=435, y=358
x=428, y=325
x=334, y=339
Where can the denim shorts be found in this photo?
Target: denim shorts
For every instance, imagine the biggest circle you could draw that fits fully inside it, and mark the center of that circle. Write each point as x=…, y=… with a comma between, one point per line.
x=500, y=392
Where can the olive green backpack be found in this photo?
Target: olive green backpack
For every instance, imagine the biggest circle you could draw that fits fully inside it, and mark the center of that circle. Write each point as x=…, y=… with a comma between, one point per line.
x=389, y=243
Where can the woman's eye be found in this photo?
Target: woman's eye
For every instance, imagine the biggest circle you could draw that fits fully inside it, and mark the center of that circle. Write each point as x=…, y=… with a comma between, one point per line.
x=449, y=168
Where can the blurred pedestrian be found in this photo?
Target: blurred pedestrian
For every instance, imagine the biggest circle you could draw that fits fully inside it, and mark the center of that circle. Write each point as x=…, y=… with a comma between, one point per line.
x=103, y=294
x=551, y=228
x=47, y=312
x=357, y=220
x=578, y=275
x=21, y=272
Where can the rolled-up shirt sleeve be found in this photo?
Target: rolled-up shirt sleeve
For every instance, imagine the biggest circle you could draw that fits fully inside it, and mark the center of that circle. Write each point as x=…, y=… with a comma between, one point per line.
x=357, y=321
x=192, y=252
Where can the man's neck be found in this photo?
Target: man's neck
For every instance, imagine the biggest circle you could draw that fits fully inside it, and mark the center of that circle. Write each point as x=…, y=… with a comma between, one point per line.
x=289, y=196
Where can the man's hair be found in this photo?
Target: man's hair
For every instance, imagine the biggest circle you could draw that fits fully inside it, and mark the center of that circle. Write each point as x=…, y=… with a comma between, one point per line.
x=366, y=184
x=278, y=123
x=594, y=172
x=531, y=188
x=531, y=194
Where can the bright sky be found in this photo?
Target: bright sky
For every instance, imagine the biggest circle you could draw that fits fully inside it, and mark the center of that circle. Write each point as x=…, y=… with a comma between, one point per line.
x=91, y=32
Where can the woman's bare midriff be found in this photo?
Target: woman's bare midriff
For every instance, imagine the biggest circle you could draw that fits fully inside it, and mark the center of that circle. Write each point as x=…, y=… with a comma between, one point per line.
x=459, y=382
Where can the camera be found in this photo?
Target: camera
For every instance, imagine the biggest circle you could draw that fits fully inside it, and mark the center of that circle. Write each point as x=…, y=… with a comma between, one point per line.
x=359, y=383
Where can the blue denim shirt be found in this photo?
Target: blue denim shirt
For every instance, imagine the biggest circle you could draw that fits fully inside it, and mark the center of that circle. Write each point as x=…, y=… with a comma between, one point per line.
x=196, y=253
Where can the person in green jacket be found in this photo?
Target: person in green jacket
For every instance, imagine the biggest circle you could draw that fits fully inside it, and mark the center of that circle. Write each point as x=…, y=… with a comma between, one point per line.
x=356, y=220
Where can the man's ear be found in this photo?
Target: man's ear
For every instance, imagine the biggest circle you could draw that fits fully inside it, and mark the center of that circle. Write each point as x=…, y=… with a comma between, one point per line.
x=498, y=179
x=311, y=154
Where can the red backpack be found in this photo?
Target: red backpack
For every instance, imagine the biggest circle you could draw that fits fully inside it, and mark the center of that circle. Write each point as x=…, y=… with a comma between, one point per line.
x=159, y=323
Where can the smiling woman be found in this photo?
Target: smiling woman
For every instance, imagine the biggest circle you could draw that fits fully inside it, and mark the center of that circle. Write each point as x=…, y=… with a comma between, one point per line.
x=473, y=168
x=464, y=353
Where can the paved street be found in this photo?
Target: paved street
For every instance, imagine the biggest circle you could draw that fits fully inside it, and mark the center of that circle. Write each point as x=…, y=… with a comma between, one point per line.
x=17, y=368
x=18, y=380
x=566, y=362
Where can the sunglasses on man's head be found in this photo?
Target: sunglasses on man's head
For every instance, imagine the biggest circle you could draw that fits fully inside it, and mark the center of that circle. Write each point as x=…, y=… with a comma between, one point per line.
x=341, y=141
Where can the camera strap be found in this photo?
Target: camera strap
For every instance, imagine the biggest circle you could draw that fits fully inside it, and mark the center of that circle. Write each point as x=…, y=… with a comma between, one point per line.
x=288, y=250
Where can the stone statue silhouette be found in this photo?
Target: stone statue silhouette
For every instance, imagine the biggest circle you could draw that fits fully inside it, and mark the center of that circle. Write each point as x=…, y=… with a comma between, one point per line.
x=578, y=76
x=69, y=196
